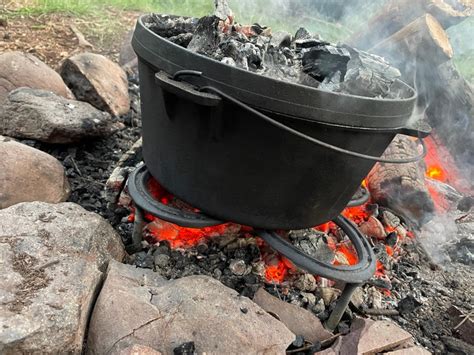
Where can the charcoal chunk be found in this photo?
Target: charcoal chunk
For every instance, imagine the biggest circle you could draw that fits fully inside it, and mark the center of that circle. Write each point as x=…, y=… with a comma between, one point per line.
x=206, y=37
x=325, y=60
x=369, y=75
x=169, y=26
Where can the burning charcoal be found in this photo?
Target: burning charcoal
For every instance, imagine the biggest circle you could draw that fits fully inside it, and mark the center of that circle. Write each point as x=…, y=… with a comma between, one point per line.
x=369, y=75
x=374, y=298
x=302, y=33
x=307, y=43
x=223, y=10
x=280, y=39
x=324, y=60
x=262, y=30
x=373, y=228
x=238, y=267
x=183, y=39
x=144, y=260
x=206, y=38
x=305, y=282
x=319, y=307
x=309, y=299
x=390, y=220
x=373, y=209
x=392, y=239
x=329, y=294
x=408, y=305
x=380, y=283
x=229, y=61
x=169, y=26
x=311, y=242
x=161, y=260
x=185, y=349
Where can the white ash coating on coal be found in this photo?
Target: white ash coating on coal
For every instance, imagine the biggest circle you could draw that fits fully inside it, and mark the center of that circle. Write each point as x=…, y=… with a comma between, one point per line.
x=303, y=58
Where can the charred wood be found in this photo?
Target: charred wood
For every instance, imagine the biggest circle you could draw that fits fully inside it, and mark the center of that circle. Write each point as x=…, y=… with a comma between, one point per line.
x=450, y=102
x=401, y=187
x=398, y=13
x=423, y=40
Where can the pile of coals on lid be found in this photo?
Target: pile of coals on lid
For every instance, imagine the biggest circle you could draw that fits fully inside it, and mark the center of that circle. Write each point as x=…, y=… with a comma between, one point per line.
x=303, y=58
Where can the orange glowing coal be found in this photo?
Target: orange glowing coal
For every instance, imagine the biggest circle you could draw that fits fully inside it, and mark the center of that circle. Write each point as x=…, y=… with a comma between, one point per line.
x=276, y=266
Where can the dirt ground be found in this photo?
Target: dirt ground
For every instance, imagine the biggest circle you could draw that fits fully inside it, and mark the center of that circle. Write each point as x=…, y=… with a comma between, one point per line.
x=51, y=37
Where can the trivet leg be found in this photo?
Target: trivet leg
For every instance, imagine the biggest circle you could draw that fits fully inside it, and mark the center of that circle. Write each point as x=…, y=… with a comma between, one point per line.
x=137, y=234
x=341, y=306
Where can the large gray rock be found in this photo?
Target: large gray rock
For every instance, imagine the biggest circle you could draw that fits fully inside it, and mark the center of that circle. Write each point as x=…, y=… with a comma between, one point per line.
x=137, y=306
x=25, y=70
x=52, y=259
x=99, y=81
x=28, y=174
x=47, y=117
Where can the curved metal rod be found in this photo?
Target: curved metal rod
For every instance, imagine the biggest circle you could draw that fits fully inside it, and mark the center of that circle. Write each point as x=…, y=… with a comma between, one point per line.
x=358, y=273
x=141, y=197
x=314, y=140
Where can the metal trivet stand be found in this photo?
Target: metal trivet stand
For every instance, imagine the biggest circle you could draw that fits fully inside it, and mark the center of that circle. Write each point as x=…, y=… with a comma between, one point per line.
x=353, y=275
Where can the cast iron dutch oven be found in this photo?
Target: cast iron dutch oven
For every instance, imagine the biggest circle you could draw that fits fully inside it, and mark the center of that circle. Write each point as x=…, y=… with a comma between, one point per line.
x=257, y=151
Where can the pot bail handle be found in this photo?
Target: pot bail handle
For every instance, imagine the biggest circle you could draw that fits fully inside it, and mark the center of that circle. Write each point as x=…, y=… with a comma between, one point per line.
x=264, y=117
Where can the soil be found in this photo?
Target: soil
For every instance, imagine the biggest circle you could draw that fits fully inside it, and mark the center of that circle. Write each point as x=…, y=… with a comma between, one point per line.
x=50, y=37
x=421, y=291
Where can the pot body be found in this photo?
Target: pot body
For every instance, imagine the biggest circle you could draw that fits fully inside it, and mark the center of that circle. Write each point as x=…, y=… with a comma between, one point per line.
x=236, y=167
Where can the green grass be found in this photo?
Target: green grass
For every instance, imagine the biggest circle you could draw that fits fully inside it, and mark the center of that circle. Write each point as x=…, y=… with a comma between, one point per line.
x=266, y=12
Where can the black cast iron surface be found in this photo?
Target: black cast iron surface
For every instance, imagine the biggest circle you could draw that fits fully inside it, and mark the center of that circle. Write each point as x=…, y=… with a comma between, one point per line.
x=227, y=162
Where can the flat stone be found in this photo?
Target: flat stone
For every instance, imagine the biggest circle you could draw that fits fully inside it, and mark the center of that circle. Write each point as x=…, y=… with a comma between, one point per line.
x=47, y=117
x=99, y=81
x=28, y=174
x=137, y=350
x=299, y=320
x=137, y=306
x=414, y=350
x=371, y=337
x=19, y=69
x=52, y=259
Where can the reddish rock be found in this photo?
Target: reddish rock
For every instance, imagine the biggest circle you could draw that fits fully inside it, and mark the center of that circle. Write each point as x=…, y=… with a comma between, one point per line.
x=19, y=69
x=28, y=174
x=137, y=306
x=136, y=350
x=52, y=260
x=99, y=81
x=372, y=337
x=299, y=320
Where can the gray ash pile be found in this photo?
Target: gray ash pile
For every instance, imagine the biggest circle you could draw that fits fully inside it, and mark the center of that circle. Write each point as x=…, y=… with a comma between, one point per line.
x=303, y=58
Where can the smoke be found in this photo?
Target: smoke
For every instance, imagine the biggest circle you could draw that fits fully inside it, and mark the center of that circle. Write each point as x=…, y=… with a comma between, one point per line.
x=444, y=96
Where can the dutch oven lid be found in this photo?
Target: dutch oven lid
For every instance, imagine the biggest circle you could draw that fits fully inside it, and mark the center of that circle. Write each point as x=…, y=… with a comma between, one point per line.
x=272, y=95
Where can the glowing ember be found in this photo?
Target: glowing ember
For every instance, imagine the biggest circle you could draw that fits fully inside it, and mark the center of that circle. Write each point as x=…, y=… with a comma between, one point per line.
x=276, y=266
x=276, y=273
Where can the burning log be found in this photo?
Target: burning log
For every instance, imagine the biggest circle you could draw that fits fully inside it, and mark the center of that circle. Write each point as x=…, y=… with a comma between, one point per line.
x=401, y=187
x=451, y=110
x=399, y=13
x=423, y=40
